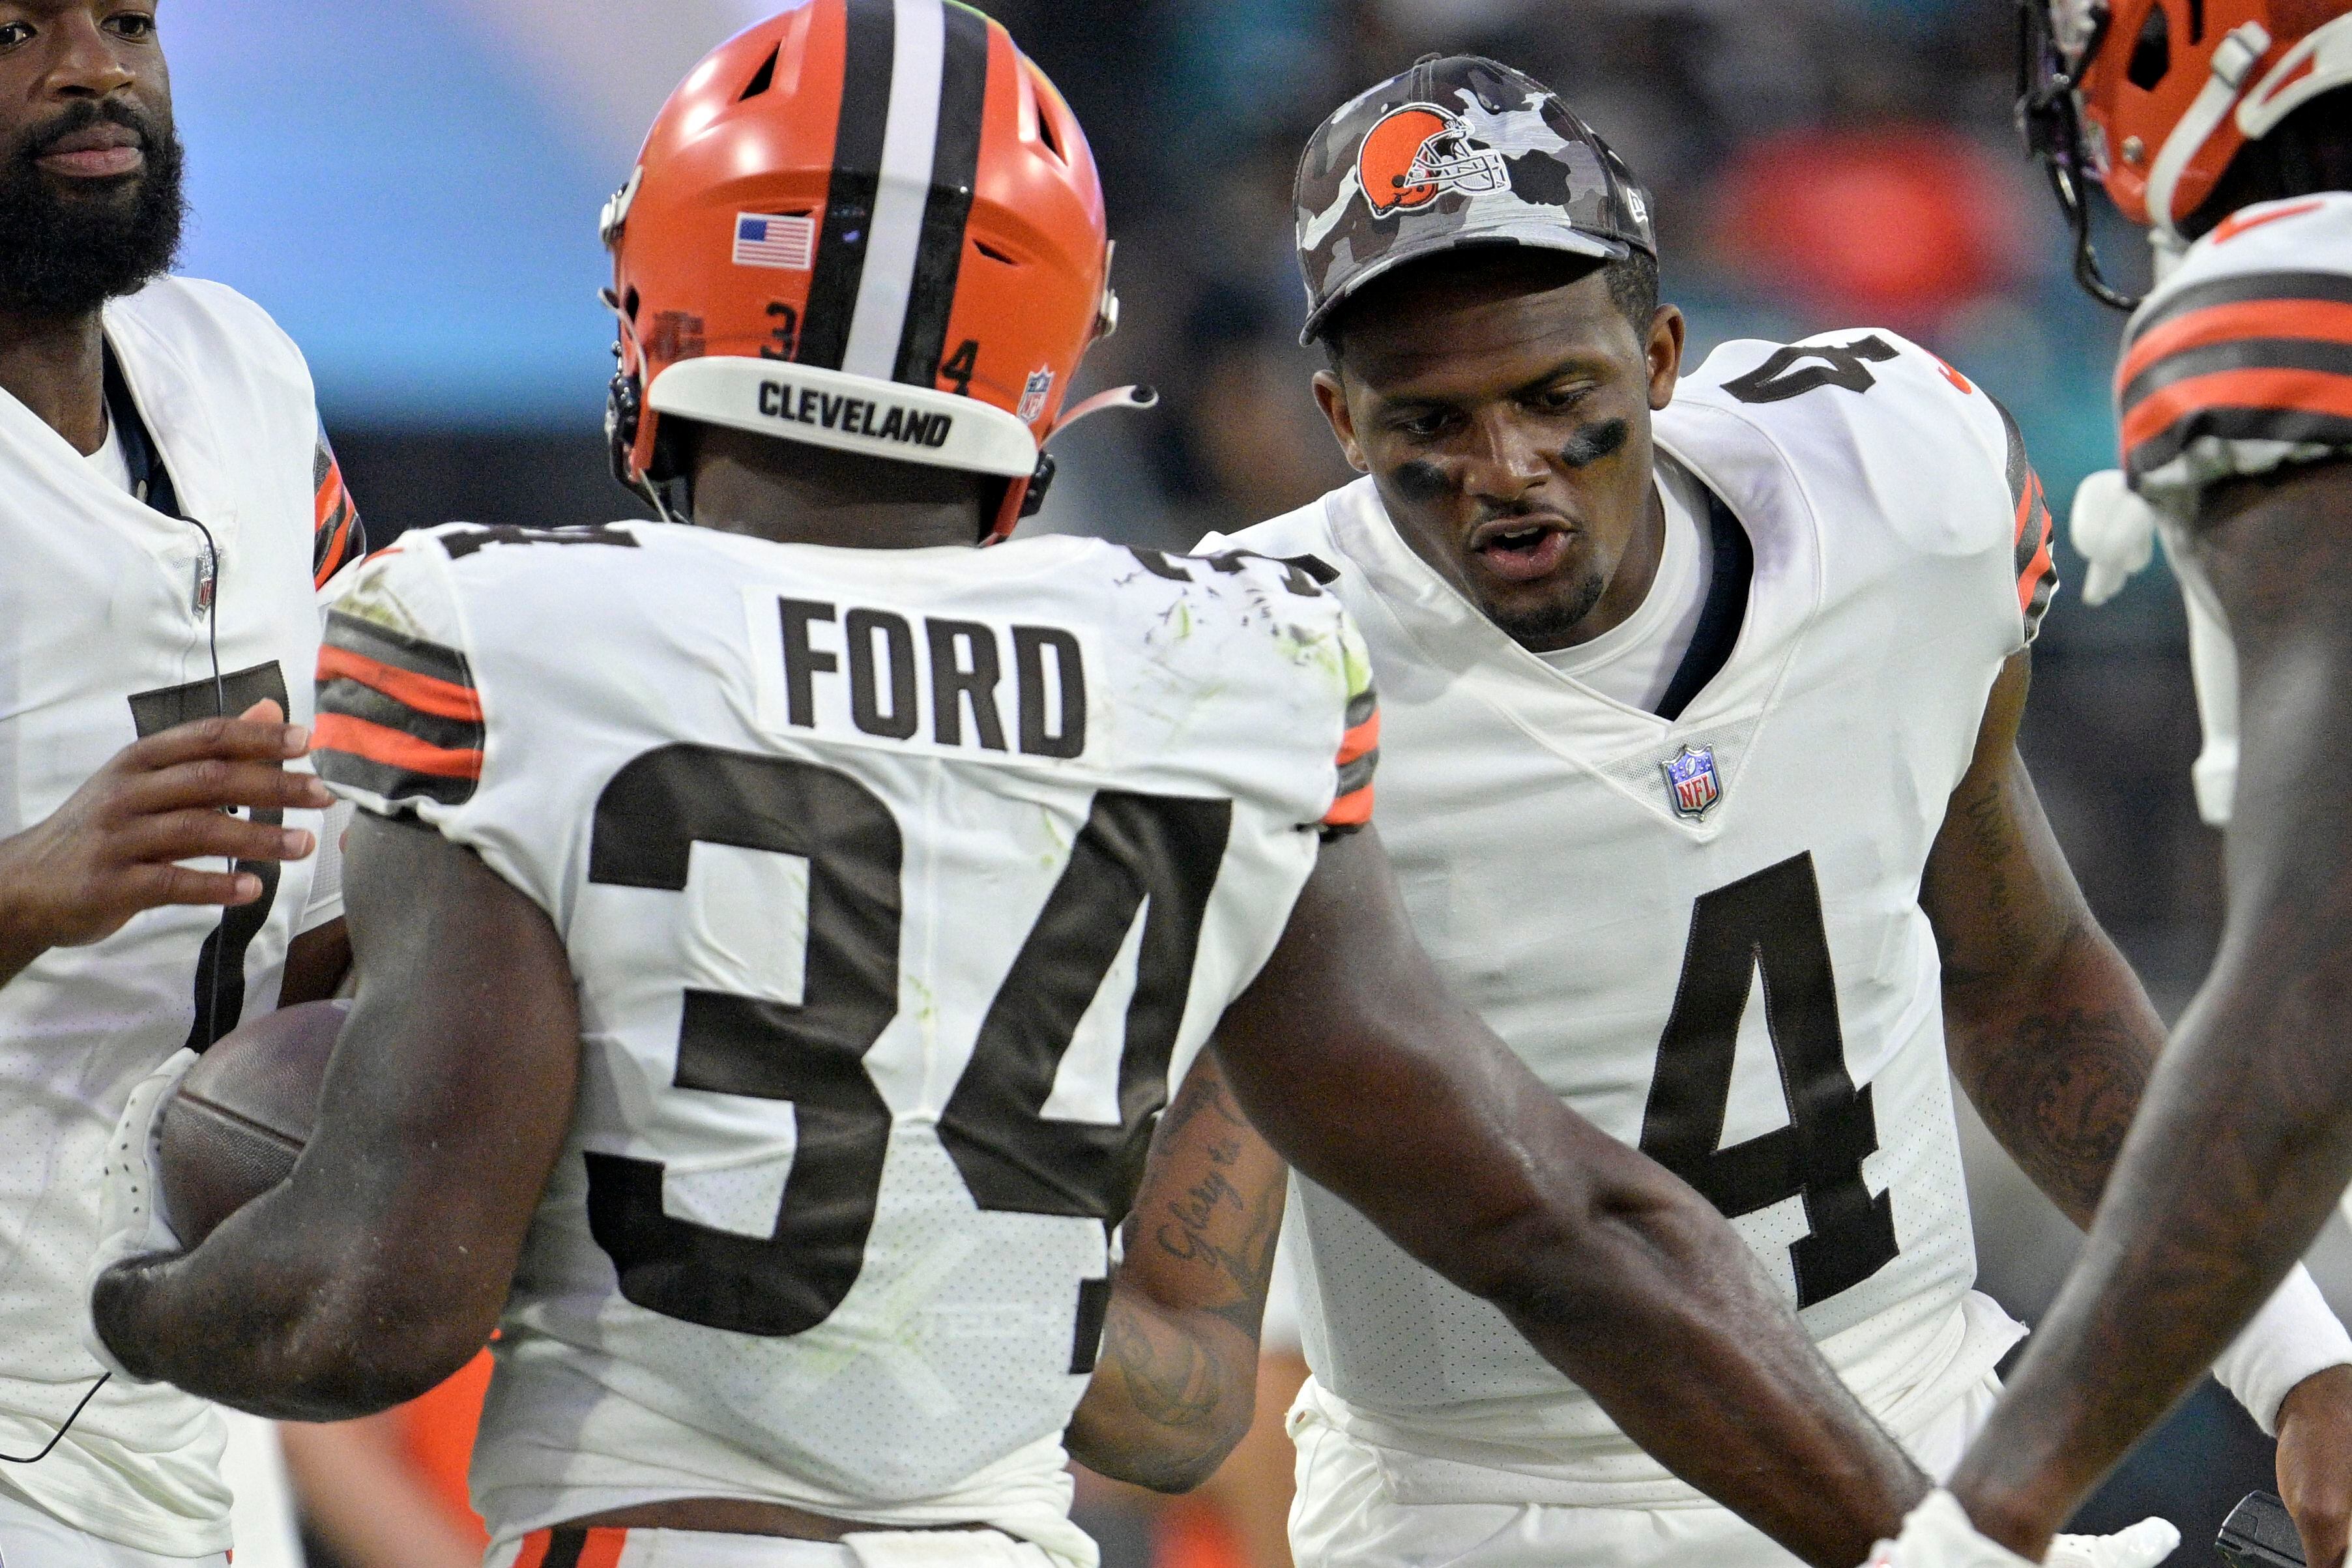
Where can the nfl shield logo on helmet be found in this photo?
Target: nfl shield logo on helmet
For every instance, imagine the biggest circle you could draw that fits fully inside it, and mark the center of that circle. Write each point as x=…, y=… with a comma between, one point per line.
x=1692, y=781
x=1034, y=393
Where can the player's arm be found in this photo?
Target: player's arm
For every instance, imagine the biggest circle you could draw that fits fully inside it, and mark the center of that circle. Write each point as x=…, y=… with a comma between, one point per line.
x=316, y=964
x=2244, y=1140
x=2053, y=1038
x=114, y=848
x=382, y=1265
x=1346, y=1053
x=1176, y=1385
x=2049, y=1030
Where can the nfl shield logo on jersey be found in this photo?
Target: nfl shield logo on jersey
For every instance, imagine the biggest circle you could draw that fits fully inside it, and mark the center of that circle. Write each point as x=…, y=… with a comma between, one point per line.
x=1692, y=781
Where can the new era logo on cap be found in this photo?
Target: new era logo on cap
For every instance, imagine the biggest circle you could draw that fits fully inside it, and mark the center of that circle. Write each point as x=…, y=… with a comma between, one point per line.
x=761, y=240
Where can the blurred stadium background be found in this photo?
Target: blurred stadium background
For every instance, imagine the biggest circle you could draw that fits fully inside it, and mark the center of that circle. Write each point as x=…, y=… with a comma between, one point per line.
x=412, y=189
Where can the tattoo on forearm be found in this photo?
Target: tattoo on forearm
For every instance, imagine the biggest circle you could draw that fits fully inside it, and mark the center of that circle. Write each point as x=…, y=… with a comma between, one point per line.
x=1174, y=1385
x=1215, y=1224
x=2008, y=938
x=2063, y=1096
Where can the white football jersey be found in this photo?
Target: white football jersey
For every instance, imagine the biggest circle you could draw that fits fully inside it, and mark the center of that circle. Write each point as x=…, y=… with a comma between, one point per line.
x=1704, y=933
x=107, y=638
x=900, y=886
x=2238, y=363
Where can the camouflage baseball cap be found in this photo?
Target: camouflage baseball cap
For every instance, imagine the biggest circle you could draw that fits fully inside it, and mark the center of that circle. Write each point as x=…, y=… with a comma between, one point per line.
x=1456, y=152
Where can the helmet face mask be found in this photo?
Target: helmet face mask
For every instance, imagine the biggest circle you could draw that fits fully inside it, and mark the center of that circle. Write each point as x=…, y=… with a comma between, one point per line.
x=1448, y=158
x=2055, y=37
x=2158, y=97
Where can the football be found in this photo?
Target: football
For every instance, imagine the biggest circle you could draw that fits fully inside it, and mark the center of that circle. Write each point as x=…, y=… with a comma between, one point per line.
x=241, y=1116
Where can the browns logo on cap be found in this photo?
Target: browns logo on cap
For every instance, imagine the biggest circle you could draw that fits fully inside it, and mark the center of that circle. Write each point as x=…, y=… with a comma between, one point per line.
x=1417, y=153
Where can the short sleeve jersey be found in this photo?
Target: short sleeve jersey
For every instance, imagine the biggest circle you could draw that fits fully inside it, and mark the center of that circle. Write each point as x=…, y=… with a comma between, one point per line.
x=2241, y=361
x=900, y=886
x=1704, y=932
x=122, y=615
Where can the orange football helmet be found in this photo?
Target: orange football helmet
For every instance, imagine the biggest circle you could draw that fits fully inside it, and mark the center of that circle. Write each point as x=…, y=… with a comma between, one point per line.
x=872, y=226
x=2156, y=97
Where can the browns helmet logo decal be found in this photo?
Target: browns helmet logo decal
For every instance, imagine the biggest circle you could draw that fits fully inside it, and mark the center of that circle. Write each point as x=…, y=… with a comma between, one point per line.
x=1417, y=153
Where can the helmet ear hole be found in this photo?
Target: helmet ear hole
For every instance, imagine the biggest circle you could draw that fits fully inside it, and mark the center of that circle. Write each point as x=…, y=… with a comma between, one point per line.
x=2151, y=56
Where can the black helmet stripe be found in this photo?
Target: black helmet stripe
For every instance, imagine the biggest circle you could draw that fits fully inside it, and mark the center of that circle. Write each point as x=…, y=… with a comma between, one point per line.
x=837, y=279
x=955, y=165
x=903, y=195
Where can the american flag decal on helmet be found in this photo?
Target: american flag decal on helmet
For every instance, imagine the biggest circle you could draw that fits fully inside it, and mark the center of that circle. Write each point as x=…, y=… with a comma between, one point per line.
x=788, y=241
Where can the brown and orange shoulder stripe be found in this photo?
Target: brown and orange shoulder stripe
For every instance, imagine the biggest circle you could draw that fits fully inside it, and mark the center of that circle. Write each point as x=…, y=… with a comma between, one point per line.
x=2264, y=356
x=338, y=538
x=1359, y=756
x=398, y=716
x=2033, y=559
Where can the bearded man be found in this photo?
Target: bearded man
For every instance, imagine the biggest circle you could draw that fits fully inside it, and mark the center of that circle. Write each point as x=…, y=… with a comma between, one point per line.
x=169, y=516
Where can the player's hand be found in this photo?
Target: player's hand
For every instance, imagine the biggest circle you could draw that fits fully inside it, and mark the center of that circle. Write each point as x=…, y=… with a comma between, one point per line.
x=2315, y=1462
x=1937, y=1534
x=132, y=1222
x=112, y=849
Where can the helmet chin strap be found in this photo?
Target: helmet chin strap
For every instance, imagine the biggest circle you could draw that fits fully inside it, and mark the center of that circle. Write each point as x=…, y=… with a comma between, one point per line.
x=1022, y=500
x=2233, y=62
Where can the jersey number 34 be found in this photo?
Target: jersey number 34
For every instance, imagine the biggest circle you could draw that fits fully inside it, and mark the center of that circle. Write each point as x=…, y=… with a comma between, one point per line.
x=1010, y=1156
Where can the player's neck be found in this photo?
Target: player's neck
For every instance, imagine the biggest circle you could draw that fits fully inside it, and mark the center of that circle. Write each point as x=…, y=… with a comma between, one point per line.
x=796, y=494
x=57, y=368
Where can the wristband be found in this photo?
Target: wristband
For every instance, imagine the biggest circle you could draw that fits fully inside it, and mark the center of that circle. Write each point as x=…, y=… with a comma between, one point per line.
x=2292, y=1337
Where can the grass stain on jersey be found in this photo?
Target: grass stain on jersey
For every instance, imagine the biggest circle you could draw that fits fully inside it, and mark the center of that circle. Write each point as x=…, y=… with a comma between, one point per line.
x=371, y=599
x=1057, y=842
x=925, y=1003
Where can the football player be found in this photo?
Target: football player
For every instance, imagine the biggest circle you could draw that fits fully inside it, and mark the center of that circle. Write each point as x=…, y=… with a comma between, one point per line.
x=776, y=937
x=1701, y=780
x=2226, y=127
x=169, y=512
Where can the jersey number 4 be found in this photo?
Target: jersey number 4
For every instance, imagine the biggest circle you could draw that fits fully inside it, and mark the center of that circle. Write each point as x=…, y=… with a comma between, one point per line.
x=1133, y=848
x=1772, y=922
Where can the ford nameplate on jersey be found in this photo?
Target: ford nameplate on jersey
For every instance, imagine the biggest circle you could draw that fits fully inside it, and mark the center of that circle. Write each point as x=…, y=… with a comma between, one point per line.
x=985, y=689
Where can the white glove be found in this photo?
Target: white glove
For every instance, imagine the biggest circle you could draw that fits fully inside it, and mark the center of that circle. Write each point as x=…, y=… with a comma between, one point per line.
x=131, y=1218
x=1937, y=1534
x=2116, y=532
x=2143, y=1546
